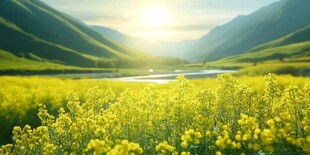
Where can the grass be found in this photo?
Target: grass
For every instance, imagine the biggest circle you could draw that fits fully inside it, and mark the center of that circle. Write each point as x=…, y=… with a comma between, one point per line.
x=8, y=61
x=12, y=65
x=296, y=69
x=286, y=52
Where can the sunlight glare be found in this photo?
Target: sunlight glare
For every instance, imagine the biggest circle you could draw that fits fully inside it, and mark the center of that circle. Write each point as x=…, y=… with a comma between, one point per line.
x=155, y=17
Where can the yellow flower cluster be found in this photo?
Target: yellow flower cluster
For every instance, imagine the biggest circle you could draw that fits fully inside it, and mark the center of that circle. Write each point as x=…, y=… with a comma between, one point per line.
x=98, y=147
x=224, y=140
x=126, y=147
x=164, y=148
x=180, y=119
x=190, y=137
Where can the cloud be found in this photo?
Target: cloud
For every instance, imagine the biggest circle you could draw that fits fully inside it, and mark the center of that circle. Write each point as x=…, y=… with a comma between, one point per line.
x=100, y=16
x=194, y=27
x=190, y=27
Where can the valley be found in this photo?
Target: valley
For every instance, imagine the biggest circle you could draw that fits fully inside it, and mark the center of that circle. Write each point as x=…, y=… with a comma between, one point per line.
x=152, y=77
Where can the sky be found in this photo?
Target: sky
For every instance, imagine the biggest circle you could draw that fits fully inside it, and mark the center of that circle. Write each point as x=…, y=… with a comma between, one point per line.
x=169, y=20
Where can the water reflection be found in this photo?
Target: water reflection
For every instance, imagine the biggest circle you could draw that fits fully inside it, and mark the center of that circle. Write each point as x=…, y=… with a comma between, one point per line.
x=168, y=77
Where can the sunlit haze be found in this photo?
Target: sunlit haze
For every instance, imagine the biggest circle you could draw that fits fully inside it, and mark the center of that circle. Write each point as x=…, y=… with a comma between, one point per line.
x=173, y=20
x=154, y=17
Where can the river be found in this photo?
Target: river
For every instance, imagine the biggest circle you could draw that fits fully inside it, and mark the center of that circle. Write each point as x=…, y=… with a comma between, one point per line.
x=171, y=76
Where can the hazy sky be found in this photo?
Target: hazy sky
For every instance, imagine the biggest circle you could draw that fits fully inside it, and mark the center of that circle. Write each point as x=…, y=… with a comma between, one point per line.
x=170, y=20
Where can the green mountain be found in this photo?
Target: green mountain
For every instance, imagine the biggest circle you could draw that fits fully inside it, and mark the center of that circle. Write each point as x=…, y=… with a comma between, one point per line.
x=33, y=30
x=157, y=48
x=292, y=48
x=246, y=32
x=24, y=44
x=301, y=35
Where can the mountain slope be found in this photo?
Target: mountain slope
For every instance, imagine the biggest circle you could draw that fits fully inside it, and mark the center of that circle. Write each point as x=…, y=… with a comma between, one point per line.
x=294, y=47
x=21, y=64
x=47, y=33
x=246, y=32
x=296, y=37
x=282, y=53
x=22, y=43
x=158, y=48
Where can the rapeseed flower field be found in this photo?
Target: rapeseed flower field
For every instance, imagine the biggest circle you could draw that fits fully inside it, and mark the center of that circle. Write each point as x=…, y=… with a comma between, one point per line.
x=185, y=117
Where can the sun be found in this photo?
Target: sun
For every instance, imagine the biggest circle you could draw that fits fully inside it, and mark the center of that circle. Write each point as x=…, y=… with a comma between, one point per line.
x=155, y=17
x=155, y=22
